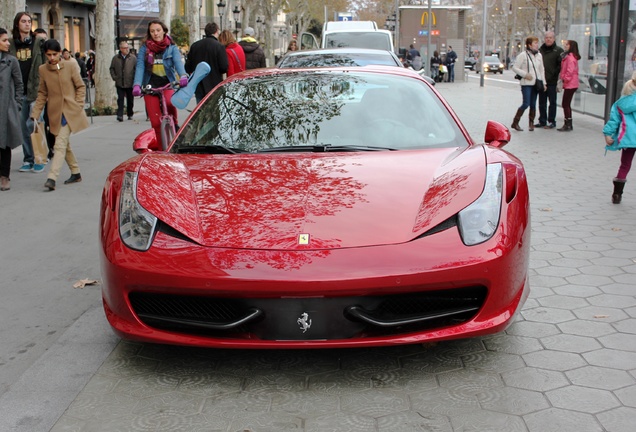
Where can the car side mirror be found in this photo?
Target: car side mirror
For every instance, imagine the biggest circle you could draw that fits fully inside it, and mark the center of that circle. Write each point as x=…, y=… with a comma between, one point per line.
x=497, y=135
x=145, y=142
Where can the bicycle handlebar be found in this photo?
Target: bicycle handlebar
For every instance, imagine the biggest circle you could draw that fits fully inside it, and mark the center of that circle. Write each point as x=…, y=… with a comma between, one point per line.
x=148, y=89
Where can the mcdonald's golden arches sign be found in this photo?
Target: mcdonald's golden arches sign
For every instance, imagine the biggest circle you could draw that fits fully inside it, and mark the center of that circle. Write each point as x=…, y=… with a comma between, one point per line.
x=424, y=19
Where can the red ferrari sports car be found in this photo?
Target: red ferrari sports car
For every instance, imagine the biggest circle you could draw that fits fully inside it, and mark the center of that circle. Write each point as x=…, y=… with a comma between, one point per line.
x=316, y=208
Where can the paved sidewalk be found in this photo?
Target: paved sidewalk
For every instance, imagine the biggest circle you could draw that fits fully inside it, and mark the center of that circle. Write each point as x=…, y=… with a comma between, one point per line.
x=568, y=363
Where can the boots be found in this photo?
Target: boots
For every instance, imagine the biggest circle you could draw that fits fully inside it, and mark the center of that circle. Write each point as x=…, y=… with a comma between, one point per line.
x=619, y=184
x=74, y=178
x=515, y=122
x=567, y=126
x=531, y=115
x=5, y=184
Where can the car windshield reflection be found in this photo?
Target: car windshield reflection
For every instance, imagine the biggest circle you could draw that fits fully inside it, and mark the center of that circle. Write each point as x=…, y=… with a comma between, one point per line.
x=320, y=111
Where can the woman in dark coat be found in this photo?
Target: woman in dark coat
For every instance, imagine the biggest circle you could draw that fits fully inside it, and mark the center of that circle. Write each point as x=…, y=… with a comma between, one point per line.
x=11, y=92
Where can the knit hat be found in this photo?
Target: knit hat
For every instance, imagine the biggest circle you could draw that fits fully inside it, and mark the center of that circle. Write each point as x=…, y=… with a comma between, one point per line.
x=249, y=31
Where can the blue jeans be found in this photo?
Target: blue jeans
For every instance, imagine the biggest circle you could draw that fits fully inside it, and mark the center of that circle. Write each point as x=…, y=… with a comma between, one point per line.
x=529, y=94
x=27, y=146
x=451, y=72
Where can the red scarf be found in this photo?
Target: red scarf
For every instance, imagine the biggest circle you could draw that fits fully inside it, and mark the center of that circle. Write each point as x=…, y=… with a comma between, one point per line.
x=153, y=48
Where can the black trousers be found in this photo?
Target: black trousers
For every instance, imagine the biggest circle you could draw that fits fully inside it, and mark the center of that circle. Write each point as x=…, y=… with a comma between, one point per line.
x=547, y=114
x=127, y=94
x=50, y=138
x=5, y=161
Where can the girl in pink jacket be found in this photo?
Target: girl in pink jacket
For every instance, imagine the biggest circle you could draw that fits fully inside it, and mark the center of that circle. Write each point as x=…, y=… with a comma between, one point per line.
x=570, y=78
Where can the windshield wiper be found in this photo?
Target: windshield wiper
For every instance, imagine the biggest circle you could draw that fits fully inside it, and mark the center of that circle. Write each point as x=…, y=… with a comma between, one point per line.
x=207, y=149
x=324, y=148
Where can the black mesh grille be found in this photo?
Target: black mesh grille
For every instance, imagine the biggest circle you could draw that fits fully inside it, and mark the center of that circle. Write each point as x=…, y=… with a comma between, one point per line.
x=200, y=315
x=182, y=307
x=425, y=303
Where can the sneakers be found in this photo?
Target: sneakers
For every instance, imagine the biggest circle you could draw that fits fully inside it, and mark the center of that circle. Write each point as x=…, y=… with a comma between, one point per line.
x=74, y=178
x=37, y=168
x=550, y=126
x=539, y=125
x=50, y=184
x=120, y=119
x=26, y=167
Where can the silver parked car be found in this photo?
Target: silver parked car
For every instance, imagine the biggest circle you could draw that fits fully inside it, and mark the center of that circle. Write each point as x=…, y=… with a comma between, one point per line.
x=333, y=57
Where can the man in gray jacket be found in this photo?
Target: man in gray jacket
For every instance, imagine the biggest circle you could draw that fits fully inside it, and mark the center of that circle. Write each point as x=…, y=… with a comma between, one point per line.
x=122, y=71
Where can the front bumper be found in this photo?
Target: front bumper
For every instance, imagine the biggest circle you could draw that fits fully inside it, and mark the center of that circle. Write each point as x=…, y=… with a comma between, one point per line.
x=266, y=299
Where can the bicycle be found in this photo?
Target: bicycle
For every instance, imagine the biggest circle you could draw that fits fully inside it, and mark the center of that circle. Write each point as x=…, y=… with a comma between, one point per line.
x=167, y=127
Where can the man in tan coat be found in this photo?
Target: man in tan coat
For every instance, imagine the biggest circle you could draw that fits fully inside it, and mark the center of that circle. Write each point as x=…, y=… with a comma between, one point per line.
x=61, y=85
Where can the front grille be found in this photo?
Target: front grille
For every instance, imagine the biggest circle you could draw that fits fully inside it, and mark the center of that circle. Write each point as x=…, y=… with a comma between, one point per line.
x=332, y=318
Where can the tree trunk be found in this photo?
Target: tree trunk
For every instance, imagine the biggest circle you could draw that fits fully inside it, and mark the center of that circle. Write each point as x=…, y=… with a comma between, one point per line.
x=192, y=14
x=105, y=94
x=165, y=12
x=9, y=10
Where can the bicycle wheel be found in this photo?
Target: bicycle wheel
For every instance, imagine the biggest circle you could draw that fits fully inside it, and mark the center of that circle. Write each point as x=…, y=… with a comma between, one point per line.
x=167, y=133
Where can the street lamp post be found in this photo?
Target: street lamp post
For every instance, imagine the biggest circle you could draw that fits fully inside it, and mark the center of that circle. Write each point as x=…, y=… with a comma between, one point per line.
x=259, y=24
x=118, y=24
x=221, y=7
x=236, y=12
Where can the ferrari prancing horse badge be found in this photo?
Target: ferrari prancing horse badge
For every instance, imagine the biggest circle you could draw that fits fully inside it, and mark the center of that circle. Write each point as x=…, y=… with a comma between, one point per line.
x=303, y=239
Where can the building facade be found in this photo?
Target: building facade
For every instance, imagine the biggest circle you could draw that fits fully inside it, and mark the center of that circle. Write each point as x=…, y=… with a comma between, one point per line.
x=72, y=22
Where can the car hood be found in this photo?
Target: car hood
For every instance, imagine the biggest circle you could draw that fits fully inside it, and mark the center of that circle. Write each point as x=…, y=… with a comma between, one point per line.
x=309, y=200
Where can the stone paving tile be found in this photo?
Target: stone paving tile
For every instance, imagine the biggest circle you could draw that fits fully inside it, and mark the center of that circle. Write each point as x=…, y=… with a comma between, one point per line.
x=567, y=363
x=601, y=378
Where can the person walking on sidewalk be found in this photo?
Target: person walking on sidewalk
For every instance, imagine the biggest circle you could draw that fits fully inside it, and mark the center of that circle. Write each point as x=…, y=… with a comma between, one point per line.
x=61, y=85
x=529, y=66
x=620, y=134
x=254, y=54
x=11, y=95
x=551, y=55
x=235, y=54
x=208, y=50
x=27, y=48
x=570, y=79
x=451, y=58
x=122, y=71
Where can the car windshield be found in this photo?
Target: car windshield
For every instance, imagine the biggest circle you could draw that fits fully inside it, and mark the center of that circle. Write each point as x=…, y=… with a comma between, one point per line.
x=370, y=39
x=320, y=111
x=337, y=59
x=493, y=59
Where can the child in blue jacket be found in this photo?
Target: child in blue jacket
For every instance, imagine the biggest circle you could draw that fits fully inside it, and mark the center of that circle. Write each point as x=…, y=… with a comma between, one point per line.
x=620, y=134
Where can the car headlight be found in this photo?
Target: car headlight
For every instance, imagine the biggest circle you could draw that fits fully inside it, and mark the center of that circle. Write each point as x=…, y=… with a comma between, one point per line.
x=136, y=224
x=478, y=222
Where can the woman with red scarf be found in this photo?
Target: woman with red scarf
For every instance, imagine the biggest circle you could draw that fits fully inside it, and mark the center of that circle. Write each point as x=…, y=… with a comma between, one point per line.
x=158, y=63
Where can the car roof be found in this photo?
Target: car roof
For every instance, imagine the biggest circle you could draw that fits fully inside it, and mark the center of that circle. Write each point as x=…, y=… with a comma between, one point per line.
x=362, y=56
x=345, y=50
x=381, y=69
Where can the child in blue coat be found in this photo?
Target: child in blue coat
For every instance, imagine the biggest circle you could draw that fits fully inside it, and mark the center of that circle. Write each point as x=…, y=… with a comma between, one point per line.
x=620, y=134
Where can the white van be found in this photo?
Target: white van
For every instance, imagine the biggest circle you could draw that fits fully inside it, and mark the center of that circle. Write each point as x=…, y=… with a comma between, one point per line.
x=349, y=25
x=356, y=34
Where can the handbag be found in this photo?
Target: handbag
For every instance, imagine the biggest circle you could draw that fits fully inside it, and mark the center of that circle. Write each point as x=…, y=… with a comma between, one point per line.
x=40, y=148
